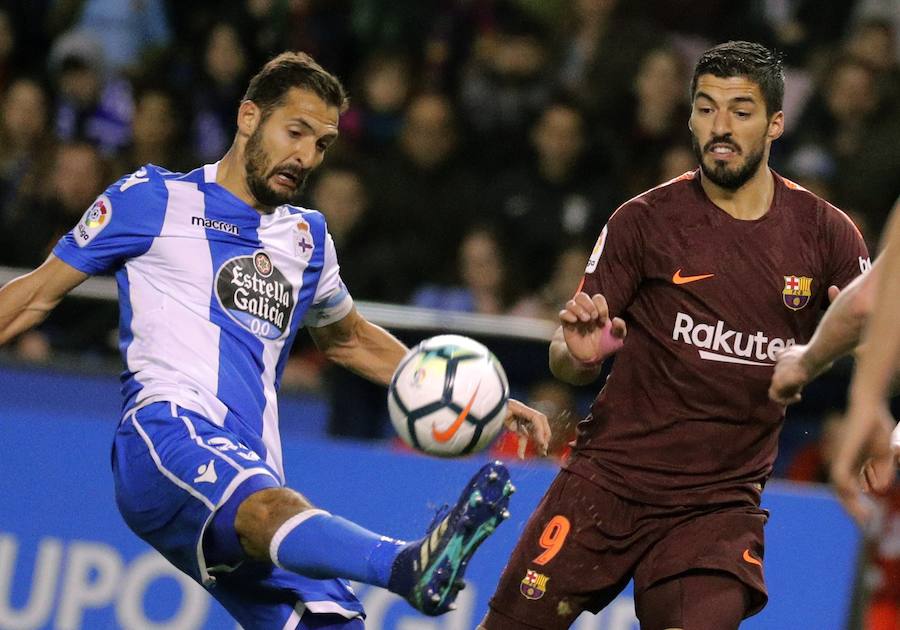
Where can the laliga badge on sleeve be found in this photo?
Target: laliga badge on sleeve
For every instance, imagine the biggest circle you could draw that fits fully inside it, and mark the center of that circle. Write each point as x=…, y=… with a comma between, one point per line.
x=94, y=220
x=598, y=251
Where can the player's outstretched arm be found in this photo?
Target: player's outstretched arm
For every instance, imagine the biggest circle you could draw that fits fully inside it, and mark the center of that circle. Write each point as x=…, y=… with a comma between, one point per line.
x=879, y=362
x=586, y=336
x=27, y=300
x=360, y=346
x=868, y=415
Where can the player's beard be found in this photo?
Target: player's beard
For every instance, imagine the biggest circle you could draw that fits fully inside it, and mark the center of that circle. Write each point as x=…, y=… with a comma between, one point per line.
x=256, y=165
x=719, y=173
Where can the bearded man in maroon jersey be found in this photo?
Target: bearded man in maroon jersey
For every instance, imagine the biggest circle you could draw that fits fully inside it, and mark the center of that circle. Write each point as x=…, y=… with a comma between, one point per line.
x=712, y=275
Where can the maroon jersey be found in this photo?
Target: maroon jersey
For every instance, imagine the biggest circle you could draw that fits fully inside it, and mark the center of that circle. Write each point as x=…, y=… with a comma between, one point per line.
x=684, y=417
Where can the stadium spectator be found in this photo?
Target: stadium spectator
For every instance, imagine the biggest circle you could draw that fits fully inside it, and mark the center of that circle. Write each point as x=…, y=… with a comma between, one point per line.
x=158, y=133
x=46, y=212
x=391, y=24
x=457, y=27
x=39, y=218
x=554, y=197
x=375, y=118
x=265, y=25
x=482, y=278
x=219, y=88
x=26, y=145
x=339, y=193
x=599, y=47
x=91, y=105
x=884, y=11
x=505, y=82
x=325, y=29
x=424, y=196
x=874, y=41
x=654, y=122
x=130, y=33
x=852, y=124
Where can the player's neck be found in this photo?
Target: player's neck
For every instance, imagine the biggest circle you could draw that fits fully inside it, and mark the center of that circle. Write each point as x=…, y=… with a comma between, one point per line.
x=232, y=176
x=749, y=202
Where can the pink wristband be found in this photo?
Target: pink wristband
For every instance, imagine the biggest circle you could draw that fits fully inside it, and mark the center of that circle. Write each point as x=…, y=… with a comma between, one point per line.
x=608, y=345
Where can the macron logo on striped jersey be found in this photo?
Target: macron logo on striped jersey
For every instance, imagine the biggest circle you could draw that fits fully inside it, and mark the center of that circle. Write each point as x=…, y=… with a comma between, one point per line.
x=717, y=343
x=215, y=224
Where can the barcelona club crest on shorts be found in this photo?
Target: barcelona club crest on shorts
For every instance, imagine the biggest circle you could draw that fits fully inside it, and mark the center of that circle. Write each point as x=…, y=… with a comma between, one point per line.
x=534, y=584
x=797, y=291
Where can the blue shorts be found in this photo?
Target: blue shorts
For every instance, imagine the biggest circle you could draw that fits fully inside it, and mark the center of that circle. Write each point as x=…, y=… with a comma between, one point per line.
x=179, y=480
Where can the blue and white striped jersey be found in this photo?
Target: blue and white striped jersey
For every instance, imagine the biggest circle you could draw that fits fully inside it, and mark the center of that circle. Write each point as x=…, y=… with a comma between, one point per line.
x=211, y=294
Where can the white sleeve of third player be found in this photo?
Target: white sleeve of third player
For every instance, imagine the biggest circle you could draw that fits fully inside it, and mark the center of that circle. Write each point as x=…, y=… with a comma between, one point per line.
x=332, y=301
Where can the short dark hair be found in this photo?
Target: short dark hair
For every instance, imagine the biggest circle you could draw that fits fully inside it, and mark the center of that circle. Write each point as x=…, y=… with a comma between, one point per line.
x=745, y=59
x=294, y=70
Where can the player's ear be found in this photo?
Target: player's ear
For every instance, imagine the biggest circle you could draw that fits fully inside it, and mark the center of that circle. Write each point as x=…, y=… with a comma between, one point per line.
x=776, y=126
x=249, y=115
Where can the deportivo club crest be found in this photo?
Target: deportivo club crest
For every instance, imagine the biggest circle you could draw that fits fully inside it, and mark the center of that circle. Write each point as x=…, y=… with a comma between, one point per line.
x=797, y=291
x=533, y=585
x=304, y=241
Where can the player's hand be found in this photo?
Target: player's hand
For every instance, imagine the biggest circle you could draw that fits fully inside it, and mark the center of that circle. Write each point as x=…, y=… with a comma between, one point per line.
x=590, y=334
x=528, y=423
x=866, y=436
x=791, y=375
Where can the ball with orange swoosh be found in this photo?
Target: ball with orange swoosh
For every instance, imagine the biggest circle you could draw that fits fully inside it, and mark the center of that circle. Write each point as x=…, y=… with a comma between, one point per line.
x=448, y=396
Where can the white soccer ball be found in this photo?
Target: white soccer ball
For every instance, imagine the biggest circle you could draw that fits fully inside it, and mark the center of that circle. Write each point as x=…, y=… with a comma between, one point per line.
x=448, y=396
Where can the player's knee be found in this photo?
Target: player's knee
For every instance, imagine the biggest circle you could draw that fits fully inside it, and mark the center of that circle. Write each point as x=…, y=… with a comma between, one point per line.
x=261, y=514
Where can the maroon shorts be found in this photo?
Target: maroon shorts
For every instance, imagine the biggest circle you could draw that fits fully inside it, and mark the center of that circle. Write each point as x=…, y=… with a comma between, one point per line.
x=583, y=544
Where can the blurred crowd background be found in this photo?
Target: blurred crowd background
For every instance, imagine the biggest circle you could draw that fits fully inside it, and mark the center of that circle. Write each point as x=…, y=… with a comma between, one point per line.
x=487, y=140
x=486, y=144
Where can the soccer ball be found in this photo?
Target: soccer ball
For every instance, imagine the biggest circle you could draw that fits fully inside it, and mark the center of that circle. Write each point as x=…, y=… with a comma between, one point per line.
x=448, y=396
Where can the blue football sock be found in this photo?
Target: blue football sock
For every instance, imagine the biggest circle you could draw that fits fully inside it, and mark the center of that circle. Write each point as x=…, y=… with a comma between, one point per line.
x=319, y=545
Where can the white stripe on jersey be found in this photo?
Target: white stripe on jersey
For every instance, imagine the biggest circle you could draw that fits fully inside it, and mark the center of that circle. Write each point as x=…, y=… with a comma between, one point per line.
x=178, y=263
x=274, y=230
